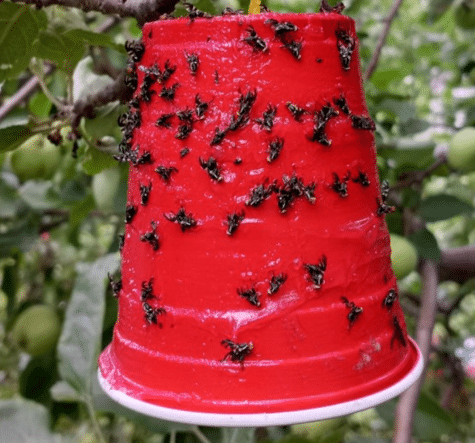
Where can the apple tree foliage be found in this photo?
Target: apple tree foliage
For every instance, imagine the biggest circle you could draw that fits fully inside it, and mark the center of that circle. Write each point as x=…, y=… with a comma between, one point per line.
x=62, y=204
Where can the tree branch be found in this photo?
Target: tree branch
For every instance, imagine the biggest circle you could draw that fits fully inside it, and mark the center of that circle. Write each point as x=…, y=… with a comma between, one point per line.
x=404, y=417
x=115, y=91
x=457, y=264
x=382, y=39
x=22, y=94
x=143, y=10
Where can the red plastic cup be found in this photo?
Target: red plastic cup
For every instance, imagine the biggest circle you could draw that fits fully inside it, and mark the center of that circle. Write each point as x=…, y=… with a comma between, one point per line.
x=257, y=286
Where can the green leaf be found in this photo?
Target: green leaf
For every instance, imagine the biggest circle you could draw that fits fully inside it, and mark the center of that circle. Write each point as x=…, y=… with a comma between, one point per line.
x=20, y=236
x=62, y=391
x=431, y=421
x=94, y=161
x=82, y=36
x=13, y=136
x=19, y=28
x=8, y=201
x=426, y=244
x=413, y=126
x=24, y=421
x=40, y=105
x=39, y=195
x=80, y=340
x=86, y=81
x=60, y=49
x=442, y=207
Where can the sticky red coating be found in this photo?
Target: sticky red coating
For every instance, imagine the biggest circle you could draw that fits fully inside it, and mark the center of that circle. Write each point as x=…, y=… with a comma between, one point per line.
x=303, y=353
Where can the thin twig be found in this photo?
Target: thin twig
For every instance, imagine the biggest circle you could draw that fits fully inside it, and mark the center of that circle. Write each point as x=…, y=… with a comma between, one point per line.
x=143, y=10
x=416, y=177
x=22, y=94
x=33, y=83
x=404, y=417
x=199, y=435
x=382, y=39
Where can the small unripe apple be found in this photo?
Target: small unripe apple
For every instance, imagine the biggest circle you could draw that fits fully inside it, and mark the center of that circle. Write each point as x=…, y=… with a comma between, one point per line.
x=404, y=256
x=37, y=329
x=104, y=188
x=36, y=158
x=461, y=153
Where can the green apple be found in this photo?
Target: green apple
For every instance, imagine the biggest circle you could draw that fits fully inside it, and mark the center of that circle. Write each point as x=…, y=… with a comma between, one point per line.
x=36, y=158
x=461, y=153
x=317, y=429
x=37, y=329
x=404, y=256
x=104, y=188
x=465, y=15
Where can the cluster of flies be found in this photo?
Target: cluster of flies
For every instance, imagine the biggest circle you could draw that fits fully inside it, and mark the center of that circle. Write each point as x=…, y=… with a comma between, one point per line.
x=253, y=296
x=291, y=188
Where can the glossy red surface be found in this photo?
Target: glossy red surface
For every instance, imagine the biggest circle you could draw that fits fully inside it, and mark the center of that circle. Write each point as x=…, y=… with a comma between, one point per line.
x=306, y=351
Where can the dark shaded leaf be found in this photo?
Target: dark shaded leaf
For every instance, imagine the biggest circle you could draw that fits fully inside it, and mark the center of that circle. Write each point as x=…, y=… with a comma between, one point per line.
x=25, y=421
x=13, y=136
x=442, y=207
x=80, y=340
x=426, y=244
x=19, y=28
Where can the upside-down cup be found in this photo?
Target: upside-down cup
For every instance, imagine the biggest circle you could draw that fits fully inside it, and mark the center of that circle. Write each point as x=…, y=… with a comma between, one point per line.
x=256, y=287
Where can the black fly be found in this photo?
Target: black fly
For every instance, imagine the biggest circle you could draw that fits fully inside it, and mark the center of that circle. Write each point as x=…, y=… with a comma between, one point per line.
x=233, y=221
x=164, y=120
x=342, y=104
x=281, y=28
x=257, y=43
x=237, y=351
x=151, y=314
x=259, y=194
x=211, y=167
x=186, y=221
x=130, y=212
x=296, y=111
x=115, y=285
x=145, y=193
x=165, y=172
x=193, y=62
x=362, y=122
x=168, y=93
x=147, y=291
x=152, y=237
x=325, y=7
x=316, y=272
x=292, y=188
x=200, y=107
x=355, y=311
x=321, y=119
x=390, y=298
x=345, y=45
x=294, y=48
x=267, y=120
x=362, y=179
x=276, y=282
x=398, y=333
x=251, y=295
x=194, y=12
x=218, y=136
x=275, y=146
x=383, y=207
x=340, y=187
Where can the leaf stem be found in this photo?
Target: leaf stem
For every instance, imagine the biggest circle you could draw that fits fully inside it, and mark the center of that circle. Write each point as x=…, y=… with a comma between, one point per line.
x=199, y=435
x=255, y=7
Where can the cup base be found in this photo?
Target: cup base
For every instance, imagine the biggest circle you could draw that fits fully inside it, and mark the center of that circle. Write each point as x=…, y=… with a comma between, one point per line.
x=273, y=418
